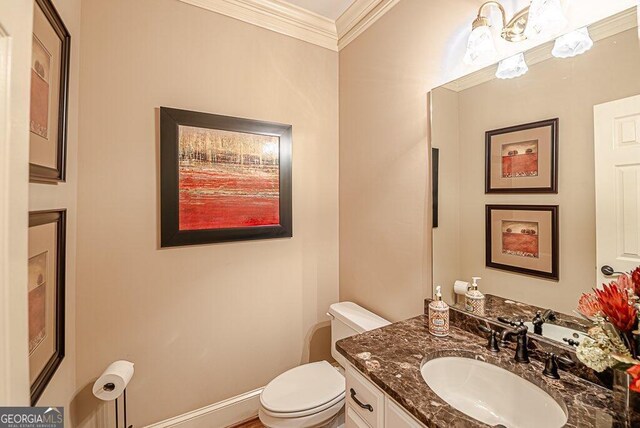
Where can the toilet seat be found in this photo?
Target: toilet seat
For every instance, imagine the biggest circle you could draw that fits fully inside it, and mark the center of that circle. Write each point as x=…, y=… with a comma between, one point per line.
x=309, y=412
x=304, y=390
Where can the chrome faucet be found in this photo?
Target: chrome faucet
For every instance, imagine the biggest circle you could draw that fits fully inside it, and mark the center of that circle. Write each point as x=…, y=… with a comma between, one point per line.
x=522, y=341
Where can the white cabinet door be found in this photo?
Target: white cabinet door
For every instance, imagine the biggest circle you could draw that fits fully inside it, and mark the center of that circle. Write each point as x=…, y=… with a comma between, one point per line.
x=396, y=417
x=365, y=398
x=353, y=420
x=617, y=161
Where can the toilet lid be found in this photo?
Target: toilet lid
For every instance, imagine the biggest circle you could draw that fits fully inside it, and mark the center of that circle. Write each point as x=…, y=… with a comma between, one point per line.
x=303, y=388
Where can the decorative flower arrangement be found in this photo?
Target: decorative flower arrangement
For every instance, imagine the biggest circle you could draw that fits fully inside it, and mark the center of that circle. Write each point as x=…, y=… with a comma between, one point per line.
x=614, y=338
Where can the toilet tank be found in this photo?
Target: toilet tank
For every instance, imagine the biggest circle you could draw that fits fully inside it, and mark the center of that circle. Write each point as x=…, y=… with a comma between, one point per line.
x=348, y=319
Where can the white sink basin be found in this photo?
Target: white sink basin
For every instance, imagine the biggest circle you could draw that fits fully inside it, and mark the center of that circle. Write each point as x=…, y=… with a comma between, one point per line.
x=558, y=332
x=491, y=394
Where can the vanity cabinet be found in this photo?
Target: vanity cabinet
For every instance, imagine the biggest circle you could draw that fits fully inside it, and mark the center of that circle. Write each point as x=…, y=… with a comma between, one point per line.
x=367, y=406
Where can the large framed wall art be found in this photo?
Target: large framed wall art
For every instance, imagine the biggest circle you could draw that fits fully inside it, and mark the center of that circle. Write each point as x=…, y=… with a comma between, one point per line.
x=223, y=178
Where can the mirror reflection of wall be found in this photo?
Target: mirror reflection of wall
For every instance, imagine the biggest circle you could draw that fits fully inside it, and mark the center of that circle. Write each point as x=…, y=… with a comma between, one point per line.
x=567, y=89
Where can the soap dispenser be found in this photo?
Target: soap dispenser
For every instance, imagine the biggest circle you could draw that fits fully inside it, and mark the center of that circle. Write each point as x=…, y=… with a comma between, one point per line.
x=439, y=316
x=474, y=299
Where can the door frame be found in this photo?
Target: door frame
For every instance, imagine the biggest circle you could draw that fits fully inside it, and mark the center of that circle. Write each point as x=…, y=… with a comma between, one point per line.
x=16, y=22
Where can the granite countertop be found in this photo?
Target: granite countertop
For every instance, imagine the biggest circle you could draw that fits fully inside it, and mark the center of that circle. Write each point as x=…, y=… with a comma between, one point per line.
x=496, y=306
x=392, y=356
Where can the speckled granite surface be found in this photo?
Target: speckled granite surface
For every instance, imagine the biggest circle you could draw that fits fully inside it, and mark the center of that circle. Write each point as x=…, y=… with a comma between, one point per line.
x=496, y=306
x=392, y=357
x=538, y=345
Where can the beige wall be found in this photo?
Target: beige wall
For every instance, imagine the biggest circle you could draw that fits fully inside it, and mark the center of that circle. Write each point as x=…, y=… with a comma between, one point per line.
x=201, y=323
x=567, y=89
x=64, y=195
x=385, y=75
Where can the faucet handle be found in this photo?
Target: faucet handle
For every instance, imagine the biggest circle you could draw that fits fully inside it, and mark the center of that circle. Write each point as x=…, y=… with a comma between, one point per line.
x=570, y=341
x=492, y=344
x=512, y=323
x=549, y=315
x=551, y=364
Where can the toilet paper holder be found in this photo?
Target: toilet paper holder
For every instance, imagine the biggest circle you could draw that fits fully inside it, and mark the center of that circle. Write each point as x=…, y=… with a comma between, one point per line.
x=124, y=410
x=111, y=385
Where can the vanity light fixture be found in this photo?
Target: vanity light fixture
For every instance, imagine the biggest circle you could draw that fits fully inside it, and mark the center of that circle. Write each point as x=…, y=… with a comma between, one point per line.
x=541, y=17
x=514, y=66
x=480, y=47
x=545, y=18
x=571, y=44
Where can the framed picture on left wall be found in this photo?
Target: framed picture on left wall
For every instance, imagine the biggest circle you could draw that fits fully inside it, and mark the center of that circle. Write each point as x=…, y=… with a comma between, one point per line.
x=46, y=296
x=49, y=94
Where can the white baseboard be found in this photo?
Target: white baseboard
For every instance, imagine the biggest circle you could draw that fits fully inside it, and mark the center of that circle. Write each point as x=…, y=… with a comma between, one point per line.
x=218, y=415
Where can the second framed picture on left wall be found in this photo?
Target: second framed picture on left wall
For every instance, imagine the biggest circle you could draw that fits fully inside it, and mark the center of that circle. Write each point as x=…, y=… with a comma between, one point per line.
x=46, y=297
x=48, y=102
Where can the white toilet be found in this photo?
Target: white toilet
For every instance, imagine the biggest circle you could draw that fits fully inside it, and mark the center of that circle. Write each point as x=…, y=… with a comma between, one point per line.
x=312, y=395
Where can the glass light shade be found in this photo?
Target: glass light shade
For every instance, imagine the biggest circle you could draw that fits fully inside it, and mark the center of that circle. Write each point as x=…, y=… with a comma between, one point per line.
x=546, y=18
x=514, y=66
x=571, y=44
x=480, y=47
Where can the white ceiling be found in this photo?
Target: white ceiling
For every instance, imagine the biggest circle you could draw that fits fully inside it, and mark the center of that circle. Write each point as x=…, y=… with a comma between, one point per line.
x=331, y=9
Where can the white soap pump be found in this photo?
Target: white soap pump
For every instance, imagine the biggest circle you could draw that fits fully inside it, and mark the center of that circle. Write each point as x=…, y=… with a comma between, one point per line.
x=474, y=299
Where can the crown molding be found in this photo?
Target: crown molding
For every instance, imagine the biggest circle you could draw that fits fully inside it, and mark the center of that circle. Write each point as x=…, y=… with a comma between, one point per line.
x=302, y=24
x=360, y=16
x=615, y=24
x=278, y=16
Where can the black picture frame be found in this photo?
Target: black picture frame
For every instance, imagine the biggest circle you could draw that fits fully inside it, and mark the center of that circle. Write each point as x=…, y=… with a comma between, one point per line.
x=554, y=273
x=553, y=179
x=37, y=218
x=171, y=235
x=40, y=173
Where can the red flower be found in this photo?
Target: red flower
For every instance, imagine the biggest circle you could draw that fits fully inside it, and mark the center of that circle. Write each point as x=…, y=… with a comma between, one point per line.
x=635, y=374
x=625, y=283
x=615, y=305
x=635, y=278
x=634, y=371
x=588, y=305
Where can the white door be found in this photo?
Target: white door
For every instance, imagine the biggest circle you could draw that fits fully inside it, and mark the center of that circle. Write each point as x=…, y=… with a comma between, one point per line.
x=617, y=161
x=16, y=20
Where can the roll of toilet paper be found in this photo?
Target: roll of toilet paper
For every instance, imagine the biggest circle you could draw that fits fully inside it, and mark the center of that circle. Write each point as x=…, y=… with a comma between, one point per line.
x=460, y=287
x=113, y=380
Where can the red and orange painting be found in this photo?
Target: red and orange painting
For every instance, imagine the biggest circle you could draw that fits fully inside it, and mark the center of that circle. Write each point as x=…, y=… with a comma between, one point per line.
x=520, y=238
x=37, y=300
x=40, y=64
x=227, y=179
x=520, y=159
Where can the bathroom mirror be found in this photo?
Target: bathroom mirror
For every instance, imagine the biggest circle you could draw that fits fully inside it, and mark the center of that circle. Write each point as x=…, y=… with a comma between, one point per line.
x=546, y=139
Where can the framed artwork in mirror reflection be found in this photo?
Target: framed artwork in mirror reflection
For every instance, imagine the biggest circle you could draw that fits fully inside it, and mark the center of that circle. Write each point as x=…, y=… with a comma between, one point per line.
x=523, y=158
x=523, y=239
